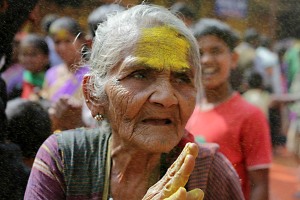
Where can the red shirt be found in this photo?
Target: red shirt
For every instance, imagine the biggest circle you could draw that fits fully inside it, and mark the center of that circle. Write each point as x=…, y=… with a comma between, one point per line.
x=27, y=90
x=241, y=130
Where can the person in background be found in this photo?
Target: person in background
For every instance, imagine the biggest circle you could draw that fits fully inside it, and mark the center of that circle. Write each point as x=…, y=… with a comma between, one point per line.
x=247, y=58
x=257, y=94
x=14, y=14
x=262, y=98
x=143, y=92
x=29, y=125
x=95, y=18
x=62, y=82
x=185, y=12
x=293, y=133
x=224, y=117
x=291, y=58
x=267, y=64
x=13, y=75
x=34, y=57
x=99, y=15
x=14, y=176
x=45, y=25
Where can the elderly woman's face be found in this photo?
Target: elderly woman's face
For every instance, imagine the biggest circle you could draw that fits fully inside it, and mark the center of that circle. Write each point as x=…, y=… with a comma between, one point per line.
x=151, y=94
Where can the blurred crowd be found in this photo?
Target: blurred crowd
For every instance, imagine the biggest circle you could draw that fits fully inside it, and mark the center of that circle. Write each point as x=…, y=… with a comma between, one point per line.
x=44, y=94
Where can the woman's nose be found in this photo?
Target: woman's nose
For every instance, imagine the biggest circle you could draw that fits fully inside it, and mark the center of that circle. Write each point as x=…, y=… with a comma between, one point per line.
x=164, y=95
x=205, y=57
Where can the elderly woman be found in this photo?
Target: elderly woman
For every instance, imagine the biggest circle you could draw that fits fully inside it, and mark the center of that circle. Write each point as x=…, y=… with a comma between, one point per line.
x=142, y=86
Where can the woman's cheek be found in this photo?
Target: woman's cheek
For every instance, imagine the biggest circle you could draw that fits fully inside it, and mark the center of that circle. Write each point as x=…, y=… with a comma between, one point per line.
x=189, y=104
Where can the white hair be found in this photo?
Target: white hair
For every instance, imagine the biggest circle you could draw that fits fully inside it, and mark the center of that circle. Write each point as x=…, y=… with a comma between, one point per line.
x=117, y=36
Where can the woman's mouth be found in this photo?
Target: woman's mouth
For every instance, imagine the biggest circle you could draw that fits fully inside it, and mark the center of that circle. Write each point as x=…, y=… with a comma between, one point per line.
x=209, y=71
x=157, y=122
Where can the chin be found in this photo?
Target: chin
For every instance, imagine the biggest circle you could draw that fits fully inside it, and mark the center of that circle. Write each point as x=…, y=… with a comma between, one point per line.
x=157, y=139
x=161, y=145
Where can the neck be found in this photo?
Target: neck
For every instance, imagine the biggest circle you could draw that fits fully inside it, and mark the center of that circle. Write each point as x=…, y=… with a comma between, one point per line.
x=134, y=170
x=218, y=95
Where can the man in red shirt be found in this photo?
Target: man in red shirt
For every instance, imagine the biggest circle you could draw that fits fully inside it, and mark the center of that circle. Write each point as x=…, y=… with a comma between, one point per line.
x=224, y=117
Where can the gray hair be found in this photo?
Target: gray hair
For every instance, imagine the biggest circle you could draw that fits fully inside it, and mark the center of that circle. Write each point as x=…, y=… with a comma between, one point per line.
x=117, y=36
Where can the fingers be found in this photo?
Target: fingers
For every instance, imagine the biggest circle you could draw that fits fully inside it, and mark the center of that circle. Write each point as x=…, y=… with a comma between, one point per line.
x=178, y=174
x=181, y=194
x=171, y=186
x=180, y=178
x=195, y=194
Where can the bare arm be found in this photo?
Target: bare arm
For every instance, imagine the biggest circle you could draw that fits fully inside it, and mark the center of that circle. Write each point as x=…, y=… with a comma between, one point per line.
x=259, y=180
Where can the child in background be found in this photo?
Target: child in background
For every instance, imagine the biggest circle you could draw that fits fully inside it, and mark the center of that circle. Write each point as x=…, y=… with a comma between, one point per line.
x=62, y=85
x=29, y=125
x=34, y=57
x=225, y=118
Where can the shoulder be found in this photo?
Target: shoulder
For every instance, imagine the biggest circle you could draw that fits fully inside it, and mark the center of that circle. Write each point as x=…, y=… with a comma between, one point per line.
x=82, y=142
x=208, y=150
x=81, y=71
x=81, y=136
x=215, y=174
x=241, y=105
x=57, y=69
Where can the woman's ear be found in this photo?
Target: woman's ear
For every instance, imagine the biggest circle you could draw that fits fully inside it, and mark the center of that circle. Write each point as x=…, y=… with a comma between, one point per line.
x=234, y=59
x=96, y=105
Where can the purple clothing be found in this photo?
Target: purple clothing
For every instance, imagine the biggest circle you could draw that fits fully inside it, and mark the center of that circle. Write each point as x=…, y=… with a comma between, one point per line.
x=46, y=177
x=213, y=173
x=13, y=77
x=59, y=82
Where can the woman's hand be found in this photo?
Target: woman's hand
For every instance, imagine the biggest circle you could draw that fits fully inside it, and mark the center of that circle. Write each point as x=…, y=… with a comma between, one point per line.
x=66, y=114
x=171, y=186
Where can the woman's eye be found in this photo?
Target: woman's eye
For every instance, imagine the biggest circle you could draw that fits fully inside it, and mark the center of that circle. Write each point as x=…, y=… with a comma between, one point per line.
x=138, y=74
x=216, y=51
x=183, y=78
x=201, y=53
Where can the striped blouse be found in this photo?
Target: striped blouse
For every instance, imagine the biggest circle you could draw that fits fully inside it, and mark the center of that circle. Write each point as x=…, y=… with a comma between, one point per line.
x=213, y=173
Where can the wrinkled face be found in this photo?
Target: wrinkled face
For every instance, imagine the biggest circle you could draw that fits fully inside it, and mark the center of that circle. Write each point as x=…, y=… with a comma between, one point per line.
x=152, y=94
x=32, y=58
x=67, y=46
x=216, y=61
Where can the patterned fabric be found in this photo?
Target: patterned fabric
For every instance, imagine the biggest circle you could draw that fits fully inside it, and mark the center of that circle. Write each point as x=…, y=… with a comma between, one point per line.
x=83, y=150
x=59, y=81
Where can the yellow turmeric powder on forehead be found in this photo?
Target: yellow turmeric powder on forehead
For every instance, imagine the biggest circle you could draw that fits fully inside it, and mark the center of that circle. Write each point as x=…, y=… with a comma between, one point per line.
x=163, y=47
x=60, y=34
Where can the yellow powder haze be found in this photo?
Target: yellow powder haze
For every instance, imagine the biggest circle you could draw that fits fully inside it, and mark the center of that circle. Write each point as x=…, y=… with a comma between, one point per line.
x=162, y=47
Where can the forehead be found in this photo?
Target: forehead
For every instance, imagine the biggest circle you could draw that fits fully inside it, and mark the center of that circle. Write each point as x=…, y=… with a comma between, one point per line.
x=60, y=34
x=163, y=47
x=29, y=48
x=211, y=41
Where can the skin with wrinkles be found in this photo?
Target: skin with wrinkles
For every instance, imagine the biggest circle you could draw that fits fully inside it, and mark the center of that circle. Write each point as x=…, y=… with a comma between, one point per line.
x=140, y=95
x=147, y=103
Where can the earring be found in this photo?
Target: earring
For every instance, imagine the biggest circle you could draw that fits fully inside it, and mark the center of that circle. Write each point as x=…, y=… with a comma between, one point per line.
x=99, y=117
x=86, y=100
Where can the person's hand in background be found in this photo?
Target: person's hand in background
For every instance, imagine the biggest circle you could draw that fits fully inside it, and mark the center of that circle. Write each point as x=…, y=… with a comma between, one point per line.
x=66, y=113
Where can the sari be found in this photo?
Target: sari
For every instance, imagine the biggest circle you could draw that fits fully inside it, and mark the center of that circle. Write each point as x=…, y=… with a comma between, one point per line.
x=59, y=81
